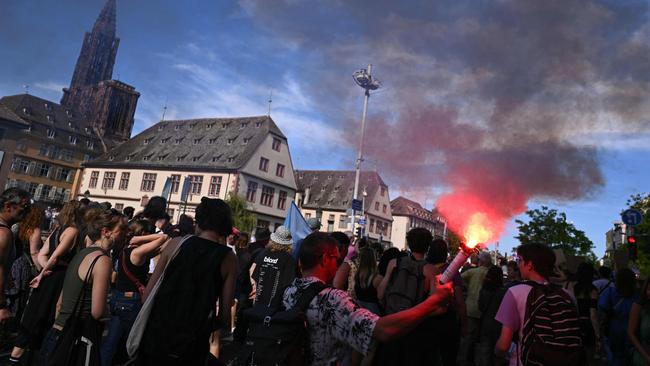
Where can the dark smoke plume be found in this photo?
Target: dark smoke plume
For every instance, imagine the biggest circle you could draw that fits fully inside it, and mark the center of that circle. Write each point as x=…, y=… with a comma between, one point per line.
x=490, y=98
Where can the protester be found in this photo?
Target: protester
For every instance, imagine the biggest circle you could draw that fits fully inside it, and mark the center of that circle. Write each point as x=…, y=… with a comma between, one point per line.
x=53, y=258
x=104, y=228
x=274, y=269
x=347, y=272
x=526, y=312
x=14, y=205
x=132, y=275
x=490, y=297
x=605, y=279
x=638, y=329
x=335, y=322
x=28, y=242
x=185, y=226
x=386, y=257
x=513, y=276
x=128, y=211
x=586, y=296
x=344, y=244
x=182, y=316
x=454, y=320
x=367, y=280
x=615, y=303
x=473, y=278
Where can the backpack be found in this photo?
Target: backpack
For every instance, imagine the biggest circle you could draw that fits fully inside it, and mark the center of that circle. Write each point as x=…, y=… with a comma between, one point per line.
x=551, y=331
x=279, y=336
x=405, y=287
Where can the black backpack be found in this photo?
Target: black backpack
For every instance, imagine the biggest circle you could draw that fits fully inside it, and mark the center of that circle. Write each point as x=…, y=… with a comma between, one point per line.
x=551, y=330
x=405, y=287
x=279, y=336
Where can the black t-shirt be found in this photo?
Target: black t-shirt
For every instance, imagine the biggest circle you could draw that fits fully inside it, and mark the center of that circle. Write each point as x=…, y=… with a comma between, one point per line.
x=274, y=271
x=123, y=282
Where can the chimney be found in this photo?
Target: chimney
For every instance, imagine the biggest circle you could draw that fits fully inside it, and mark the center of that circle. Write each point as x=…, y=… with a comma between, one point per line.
x=307, y=192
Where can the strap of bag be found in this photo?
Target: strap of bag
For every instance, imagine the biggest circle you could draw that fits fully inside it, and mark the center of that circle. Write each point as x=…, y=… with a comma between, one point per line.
x=604, y=288
x=131, y=276
x=308, y=295
x=76, y=311
x=140, y=323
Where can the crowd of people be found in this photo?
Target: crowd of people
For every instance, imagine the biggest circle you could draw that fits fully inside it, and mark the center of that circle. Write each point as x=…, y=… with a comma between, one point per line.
x=104, y=287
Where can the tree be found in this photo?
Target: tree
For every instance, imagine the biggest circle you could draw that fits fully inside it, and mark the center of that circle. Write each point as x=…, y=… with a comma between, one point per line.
x=550, y=227
x=641, y=202
x=243, y=219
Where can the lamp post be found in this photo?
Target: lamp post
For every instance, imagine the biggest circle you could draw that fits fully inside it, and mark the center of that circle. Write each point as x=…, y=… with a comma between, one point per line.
x=364, y=79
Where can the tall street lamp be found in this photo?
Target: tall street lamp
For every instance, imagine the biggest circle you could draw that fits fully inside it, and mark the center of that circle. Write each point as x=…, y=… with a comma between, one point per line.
x=364, y=79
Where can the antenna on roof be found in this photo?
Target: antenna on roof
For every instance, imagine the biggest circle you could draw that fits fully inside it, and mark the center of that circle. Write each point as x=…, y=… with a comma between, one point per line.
x=164, y=110
x=26, y=87
x=270, y=101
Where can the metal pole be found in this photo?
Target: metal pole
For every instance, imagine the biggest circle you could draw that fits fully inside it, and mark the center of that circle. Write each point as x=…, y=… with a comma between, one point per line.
x=363, y=129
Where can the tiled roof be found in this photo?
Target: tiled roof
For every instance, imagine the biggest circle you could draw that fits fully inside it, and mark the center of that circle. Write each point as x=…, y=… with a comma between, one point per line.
x=194, y=144
x=44, y=115
x=401, y=206
x=7, y=114
x=333, y=189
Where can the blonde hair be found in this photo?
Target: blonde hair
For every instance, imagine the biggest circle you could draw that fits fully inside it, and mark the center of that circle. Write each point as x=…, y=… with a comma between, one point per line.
x=275, y=247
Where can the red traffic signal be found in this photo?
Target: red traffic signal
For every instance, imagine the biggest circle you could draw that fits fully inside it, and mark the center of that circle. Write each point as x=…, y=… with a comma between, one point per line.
x=631, y=239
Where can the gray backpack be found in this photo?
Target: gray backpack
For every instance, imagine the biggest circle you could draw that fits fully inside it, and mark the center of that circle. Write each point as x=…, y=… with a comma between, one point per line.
x=406, y=285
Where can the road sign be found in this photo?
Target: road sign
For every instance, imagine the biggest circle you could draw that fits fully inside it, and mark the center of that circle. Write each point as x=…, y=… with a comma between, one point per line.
x=632, y=217
x=356, y=205
x=362, y=221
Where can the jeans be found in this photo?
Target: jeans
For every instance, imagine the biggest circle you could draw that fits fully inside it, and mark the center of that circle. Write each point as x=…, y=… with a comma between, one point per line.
x=47, y=347
x=124, y=310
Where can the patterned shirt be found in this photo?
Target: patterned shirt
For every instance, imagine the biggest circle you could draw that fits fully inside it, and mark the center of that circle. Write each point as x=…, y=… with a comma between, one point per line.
x=335, y=322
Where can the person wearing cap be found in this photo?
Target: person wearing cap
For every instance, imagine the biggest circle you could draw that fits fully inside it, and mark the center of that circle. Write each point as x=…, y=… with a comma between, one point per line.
x=473, y=278
x=314, y=224
x=274, y=269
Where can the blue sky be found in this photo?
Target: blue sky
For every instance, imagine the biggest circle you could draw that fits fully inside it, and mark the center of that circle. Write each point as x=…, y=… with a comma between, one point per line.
x=486, y=70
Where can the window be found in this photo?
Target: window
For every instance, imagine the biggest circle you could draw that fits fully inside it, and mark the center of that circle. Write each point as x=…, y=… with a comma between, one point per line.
x=43, y=150
x=124, y=181
x=246, y=139
x=63, y=174
x=94, y=176
x=44, y=170
x=267, y=196
x=243, y=125
x=178, y=141
x=307, y=215
x=109, y=180
x=147, y=157
x=67, y=155
x=279, y=170
x=53, y=152
x=330, y=224
x=50, y=118
x=212, y=141
x=119, y=206
x=209, y=125
x=383, y=209
x=383, y=191
x=177, y=127
x=372, y=225
x=164, y=140
x=196, y=181
x=264, y=164
x=231, y=159
x=20, y=165
x=176, y=182
x=73, y=140
x=230, y=141
x=196, y=158
x=225, y=124
x=276, y=144
x=197, y=141
x=252, y=190
x=51, y=133
x=148, y=140
x=45, y=191
x=282, y=200
x=215, y=186
x=32, y=188
x=90, y=144
x=258, y=124
x=376, y=206
x=148, y=182
x=343, y=221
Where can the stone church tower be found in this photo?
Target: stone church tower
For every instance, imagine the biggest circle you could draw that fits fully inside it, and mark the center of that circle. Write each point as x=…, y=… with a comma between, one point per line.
x=109, y=105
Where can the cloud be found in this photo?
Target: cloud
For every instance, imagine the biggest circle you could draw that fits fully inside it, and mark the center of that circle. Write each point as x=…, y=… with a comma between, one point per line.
x=50, y=86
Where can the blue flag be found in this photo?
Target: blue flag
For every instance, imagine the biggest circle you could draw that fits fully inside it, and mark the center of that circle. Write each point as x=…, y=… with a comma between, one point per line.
x=298, y=227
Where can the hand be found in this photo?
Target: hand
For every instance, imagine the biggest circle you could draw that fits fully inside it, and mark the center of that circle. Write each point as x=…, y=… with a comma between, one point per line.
x=5, y=314
x=36, y=281
x=441, y=296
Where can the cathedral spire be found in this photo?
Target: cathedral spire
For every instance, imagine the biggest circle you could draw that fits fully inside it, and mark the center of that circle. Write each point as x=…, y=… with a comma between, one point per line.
x=105, y=23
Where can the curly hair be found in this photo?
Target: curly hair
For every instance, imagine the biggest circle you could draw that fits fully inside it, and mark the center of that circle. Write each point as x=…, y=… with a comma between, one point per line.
x=275, y=247
x=32, y=221
x=71, y=214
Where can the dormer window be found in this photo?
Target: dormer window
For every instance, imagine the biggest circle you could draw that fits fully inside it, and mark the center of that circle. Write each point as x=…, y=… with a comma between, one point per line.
x=231, y=159
x=163, y=141
x=162, y=157
x=178, y=141
x=90, y=144
x=225, y=125
x=48, y=106
x=243, y=125
x=160, y=127
x=70, y=125
x=180, y=158
x=50, y=118
x=258, y=124
x=51, y=133
x=146, y=157
x=230, y=141
x=87, y=129
x=329, y=177
x=192, y=125
x=197, y=141
x=196, y=158
x=209, y=125
x=68, y=113
x=177, y=127
x=73, y=140
x=212, y=141
x=129, y=157
x=216, y=158
x=246, y=139
x=148, y=140
x=111, y=157
x=26, y=111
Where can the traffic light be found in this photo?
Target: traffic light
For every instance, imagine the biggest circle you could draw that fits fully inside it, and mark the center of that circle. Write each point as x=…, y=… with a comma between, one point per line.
x=632, y=246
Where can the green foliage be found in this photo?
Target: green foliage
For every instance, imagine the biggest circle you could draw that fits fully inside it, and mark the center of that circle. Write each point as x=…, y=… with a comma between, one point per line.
x=453, y=242
x=641, y=202
x=244, y=220
x=550, y=227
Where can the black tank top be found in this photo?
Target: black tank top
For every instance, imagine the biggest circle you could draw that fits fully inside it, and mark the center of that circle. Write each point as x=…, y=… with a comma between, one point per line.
x=367, y=294
x=54, y=241
x=124, y=283
x=183, y=314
